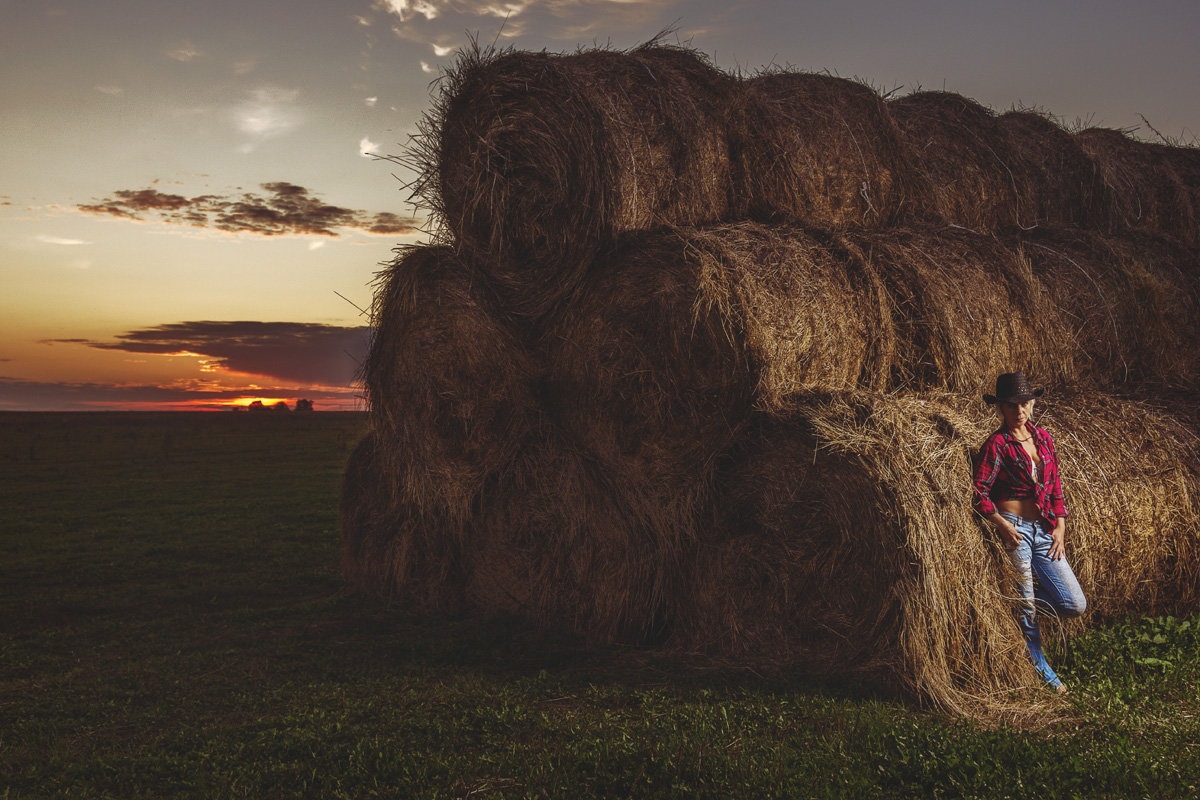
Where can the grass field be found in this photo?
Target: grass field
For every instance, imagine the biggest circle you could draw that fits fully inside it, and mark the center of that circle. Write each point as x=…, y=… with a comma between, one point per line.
x=172, y=624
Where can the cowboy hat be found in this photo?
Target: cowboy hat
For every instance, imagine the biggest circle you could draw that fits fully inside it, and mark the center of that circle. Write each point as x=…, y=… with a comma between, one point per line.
x=1012, y=387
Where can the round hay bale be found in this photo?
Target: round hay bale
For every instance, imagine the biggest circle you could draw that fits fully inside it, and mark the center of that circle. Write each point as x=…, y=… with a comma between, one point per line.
x=1134, y=502
x=554, y=544
x=450, y=388
x=389, y=549
x=819, y=150
x=537, y=161
x=964, y=309
x=848, y=545
x=963, y=153
x=1057, y=182
x=847, y=540
x=1128, y=304
x=1148, y=193
x=1185, y=161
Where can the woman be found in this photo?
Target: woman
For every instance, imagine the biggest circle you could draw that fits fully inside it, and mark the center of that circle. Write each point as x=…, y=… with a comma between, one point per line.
x=1017, y=488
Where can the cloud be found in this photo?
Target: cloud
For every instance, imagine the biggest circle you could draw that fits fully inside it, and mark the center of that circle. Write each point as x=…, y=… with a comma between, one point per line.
x=410, y=9
x=244, y=66
x=428, y=68
x=60, y=240
x=370, y=101
x=440, y=23
x=267, y=113
x=184, y=51
x=110, y=90
x=367, y=148
x=299, y=352
x=284, y=209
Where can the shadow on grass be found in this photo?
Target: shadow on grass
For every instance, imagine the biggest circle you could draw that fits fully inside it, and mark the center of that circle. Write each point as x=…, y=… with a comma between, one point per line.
x=370, y=636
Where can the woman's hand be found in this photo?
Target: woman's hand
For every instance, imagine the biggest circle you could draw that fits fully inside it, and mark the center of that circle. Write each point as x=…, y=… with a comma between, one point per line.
x=1008, y=531
x=1058, y=548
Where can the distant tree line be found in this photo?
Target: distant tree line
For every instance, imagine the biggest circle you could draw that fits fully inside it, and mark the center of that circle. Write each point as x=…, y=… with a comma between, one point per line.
x=302, y=405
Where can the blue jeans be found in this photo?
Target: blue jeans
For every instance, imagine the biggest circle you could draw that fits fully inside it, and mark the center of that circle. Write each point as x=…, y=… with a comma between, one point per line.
x=1057, y=590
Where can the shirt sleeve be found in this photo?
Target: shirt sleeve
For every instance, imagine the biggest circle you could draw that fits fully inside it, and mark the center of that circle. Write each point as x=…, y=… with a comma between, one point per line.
x=1056, y=493
x=986, y=468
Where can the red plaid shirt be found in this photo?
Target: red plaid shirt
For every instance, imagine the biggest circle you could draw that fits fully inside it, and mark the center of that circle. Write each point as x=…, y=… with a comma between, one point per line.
x=1003, y=471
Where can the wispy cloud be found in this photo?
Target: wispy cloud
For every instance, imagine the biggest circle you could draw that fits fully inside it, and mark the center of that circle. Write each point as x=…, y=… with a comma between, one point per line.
x=299, y=352
x=267, y=113
x=284, y=209
x=370, y=102
x=411, y=9
x=428, y=68
x=109, y=89
x=183, y=51
x=59, y=240
x=440, y=23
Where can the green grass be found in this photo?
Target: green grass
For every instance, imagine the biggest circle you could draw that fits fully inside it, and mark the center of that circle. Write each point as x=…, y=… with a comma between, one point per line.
x=172, y=624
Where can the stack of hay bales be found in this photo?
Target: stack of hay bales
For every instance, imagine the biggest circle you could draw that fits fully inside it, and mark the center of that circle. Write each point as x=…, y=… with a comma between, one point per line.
x=695, y=360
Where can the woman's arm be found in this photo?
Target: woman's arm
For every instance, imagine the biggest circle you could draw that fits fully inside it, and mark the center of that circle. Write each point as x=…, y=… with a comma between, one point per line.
x=986, y=469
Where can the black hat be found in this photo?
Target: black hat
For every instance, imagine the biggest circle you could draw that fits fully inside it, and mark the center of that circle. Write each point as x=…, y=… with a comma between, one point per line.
x=1012, y=387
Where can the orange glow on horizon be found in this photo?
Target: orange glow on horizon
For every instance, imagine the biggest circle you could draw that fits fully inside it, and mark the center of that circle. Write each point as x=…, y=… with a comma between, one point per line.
x=224, y=405
x=246, y=402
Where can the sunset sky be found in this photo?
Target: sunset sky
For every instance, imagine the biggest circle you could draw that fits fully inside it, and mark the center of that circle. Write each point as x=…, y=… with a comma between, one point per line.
x=186, y=188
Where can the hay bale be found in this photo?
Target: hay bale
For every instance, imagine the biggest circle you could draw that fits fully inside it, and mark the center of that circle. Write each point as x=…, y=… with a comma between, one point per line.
x=1134, y=501
x=1185, y=161
x=963, y=153
x=538, y=161
x=819, y=150
x=963, y=309
x=553, y=544
x=389, y=549
x=847, y=542
x=1057, y=182
x=1126, y=304
x=1144, y=180
x=451, y=389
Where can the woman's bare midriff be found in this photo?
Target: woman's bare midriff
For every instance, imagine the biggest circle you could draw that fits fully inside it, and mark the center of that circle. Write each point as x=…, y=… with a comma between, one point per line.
x=1026, y=507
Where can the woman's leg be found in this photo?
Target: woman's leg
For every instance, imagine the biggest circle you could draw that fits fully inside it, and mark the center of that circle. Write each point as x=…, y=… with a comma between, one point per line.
x=1058, y=590
x=1022, y=562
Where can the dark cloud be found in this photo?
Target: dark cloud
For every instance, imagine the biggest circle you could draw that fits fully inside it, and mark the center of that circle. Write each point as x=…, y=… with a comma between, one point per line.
x=284, y=208
x=18, y=394
x=303, y=352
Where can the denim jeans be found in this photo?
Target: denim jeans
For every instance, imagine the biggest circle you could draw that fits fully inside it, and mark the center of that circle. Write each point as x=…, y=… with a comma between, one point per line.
x=1057, y=590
